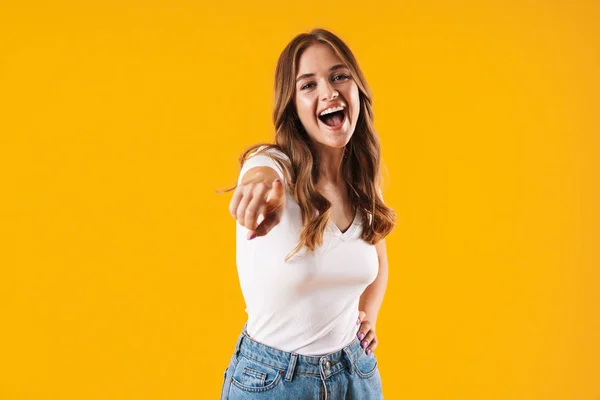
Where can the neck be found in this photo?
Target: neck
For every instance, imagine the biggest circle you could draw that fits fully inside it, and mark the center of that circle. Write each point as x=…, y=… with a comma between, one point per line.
x=330, y=165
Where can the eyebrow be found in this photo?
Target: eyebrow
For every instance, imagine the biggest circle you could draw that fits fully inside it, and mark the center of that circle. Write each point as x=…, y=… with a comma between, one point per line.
x=337, y=66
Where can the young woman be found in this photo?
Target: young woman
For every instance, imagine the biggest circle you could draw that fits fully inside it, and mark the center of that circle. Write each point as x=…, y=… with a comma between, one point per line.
x=311, y=224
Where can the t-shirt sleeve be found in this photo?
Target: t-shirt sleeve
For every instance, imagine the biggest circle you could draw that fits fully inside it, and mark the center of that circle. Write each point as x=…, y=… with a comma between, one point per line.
x=262, y=160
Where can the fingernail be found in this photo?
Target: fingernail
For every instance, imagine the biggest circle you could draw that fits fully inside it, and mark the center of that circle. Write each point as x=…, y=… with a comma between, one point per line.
x=368, y=351
x=277, y=180
x=361, y=336
x=364, y=344
x=357, y=321
x=252, y=236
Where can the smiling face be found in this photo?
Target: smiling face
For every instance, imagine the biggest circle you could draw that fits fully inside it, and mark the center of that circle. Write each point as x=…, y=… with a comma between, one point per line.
x=323, y=83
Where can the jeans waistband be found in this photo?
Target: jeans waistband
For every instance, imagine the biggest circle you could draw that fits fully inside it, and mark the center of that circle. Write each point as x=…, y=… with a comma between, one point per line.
x=325, y=365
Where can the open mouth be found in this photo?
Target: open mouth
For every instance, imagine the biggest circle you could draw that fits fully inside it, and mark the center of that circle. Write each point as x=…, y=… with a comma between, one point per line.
x=334, y=119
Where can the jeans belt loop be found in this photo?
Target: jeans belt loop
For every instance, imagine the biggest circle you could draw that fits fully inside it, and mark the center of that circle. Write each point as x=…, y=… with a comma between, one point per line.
x=291, y=367
x=350, y=360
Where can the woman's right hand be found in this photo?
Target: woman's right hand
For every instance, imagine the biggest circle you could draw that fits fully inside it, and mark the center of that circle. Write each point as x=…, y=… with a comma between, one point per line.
x=258, y=196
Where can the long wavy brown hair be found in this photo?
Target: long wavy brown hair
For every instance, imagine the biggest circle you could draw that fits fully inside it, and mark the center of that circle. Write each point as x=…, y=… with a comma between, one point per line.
x=362, y=154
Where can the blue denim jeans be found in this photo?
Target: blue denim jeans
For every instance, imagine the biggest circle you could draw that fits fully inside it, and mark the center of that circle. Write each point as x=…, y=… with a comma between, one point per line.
x=257, y=371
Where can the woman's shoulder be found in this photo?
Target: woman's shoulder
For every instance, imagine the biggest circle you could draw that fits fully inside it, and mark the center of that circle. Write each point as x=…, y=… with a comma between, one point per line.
x=273, y=150
x=266, y=155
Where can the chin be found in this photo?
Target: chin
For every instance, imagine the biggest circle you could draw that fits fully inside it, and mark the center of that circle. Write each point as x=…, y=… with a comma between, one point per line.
x=336, y=140
x=336, y=143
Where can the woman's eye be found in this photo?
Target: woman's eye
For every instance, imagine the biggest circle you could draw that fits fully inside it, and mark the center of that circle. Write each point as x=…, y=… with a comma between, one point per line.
x=335, y=78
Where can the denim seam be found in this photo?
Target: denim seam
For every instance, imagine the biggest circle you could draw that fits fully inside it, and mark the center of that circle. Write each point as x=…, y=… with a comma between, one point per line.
x=224, y=382
x=337, y=372
x=257, y=389
x=362, y=374
x=262, y=363
x=309, y=374
x=257, y=374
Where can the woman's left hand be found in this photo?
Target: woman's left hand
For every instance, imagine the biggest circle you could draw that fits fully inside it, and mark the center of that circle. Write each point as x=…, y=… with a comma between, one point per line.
x=366, y=333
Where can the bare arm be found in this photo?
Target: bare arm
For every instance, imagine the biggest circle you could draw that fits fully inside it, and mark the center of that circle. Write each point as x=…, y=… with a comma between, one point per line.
x=371, y=299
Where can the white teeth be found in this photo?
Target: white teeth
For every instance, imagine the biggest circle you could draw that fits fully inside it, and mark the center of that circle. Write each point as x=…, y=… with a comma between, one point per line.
x=330, y=110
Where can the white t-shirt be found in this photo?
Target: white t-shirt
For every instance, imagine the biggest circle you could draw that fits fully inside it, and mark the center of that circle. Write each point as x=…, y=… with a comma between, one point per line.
x=308, y=305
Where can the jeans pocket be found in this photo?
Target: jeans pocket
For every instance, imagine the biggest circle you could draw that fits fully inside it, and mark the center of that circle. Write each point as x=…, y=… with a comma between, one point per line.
x=365, y=364
x=253, y=376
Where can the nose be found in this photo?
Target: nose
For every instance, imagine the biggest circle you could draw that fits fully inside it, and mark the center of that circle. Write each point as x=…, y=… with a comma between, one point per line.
x=328, y=92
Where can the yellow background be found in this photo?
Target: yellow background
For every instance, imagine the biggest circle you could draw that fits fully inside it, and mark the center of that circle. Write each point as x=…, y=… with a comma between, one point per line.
x=119, y=120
